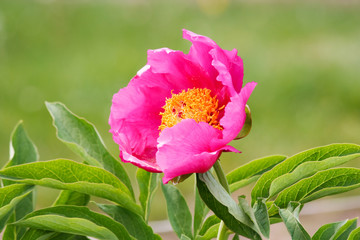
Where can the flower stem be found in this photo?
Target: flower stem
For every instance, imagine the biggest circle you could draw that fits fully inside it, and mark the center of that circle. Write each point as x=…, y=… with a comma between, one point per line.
x=222, y=232
x=221, y=175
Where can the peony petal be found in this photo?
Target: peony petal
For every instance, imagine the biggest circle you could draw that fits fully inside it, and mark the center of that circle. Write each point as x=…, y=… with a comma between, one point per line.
x=230, y=68
x=180, y=72
x=199, y=51
x=148, y=166
x=188, y=147
x=134, y=117
x=223, y=65
x=234, y=116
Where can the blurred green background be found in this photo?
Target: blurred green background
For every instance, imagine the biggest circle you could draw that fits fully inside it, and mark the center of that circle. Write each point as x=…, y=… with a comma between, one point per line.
x=305, y=57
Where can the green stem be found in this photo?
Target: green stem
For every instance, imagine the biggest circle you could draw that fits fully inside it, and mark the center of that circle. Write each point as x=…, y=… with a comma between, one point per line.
x=222, y=232
x=221, y=175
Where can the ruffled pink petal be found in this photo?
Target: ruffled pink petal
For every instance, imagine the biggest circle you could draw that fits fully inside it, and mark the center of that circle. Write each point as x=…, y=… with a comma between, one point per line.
x=180, y=72
x=188, y=147
x=234, y=116
x=230, y=68
x=200, y=51
x=134, y=117
x=223, y=65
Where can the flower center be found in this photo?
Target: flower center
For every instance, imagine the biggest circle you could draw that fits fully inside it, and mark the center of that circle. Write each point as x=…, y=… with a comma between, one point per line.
x=195, y=103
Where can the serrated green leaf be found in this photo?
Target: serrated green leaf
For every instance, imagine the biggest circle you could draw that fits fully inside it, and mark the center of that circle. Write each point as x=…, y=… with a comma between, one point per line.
x=10, y=196
x=355, y=234
x=324, y=183
x=335, y=231
x=178, y=211
x=292, y=223
x=262, y=217
x=82, y=137
x=224, y=207
x=251, y=171
x=70, y=175
x=75, y=220
x=262, y=187
x=200, y=212
x=307, y=169
x=22, y=150
x=210, y=233
x=148, y=183
x=134, y=224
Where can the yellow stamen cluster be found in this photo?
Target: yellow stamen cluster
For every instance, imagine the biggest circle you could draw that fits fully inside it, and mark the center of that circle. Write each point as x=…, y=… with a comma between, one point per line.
x=195, y=103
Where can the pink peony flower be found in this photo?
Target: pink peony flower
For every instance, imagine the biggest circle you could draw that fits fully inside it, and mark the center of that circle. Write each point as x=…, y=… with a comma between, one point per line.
x=180, y=111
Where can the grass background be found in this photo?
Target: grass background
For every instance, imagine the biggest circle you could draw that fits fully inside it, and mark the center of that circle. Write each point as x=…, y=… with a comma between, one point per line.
x=305, y=57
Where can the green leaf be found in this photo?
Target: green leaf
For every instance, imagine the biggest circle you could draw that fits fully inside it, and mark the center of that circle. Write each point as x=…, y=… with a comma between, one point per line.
x=67, y=197
x=262, y=187
x=82, y=137
x=148, y=183
x=75, y=220
x=355, y=234
x=134, y=224
x=251, y=171
x=200, y=212
x=178, y=211
x=10, y=196
x=184, y=237
x=324, y=183
x=210, y=233
x=245, y=130
x=335, y=231
x=224, y=207
x=345, y=230
x=68, y=225
x=24, y=207
x=272, y=208
x=38, y=234
x=292, y=223
x=307, y=169
x=262, y=217
x=22, y=150
x=70, y=175
x=236, y=237
x=66, y=236
x=209, y=222
x=275, y=219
